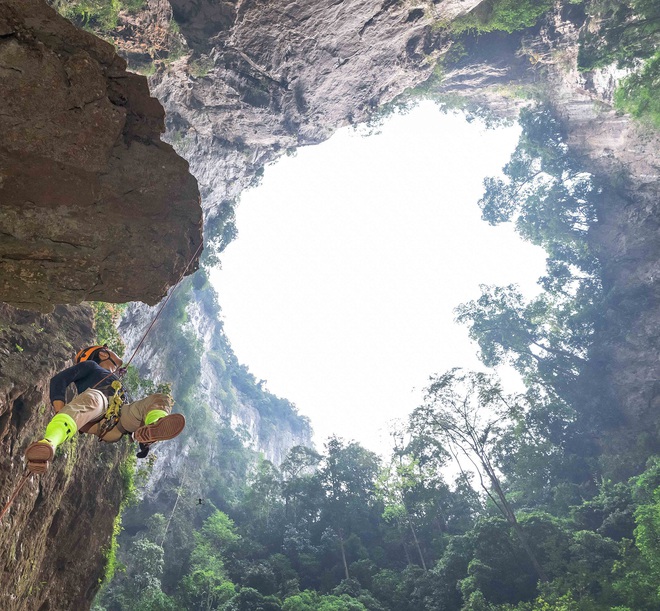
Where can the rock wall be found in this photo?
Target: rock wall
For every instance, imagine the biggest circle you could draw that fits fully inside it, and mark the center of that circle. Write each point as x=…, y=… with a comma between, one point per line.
x=624, y=155
x=94, y=205
x=228, y=404
x=53, y=539
x=281, y=74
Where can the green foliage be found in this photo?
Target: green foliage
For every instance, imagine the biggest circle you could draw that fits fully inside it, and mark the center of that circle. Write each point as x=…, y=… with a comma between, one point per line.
x=106, y=317
x=313, y=601
x=621, y=32
x=101, y=15
x=111, y=564
x=147, y=69
x=637, y=94
x=206, y=584
x=546, y=194
x=139, y=387
x=502, y=15
x=127, y=469
x=201, y=67
x=282, y=547
x=552, y=202
x=219, y=231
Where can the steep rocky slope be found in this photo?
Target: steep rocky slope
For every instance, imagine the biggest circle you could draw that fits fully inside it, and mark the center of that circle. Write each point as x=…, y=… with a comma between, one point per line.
x=625, y=155
x=222, y=384
x=94, y=205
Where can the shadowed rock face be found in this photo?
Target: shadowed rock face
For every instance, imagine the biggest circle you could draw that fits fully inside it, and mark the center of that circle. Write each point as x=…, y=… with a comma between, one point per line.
x=53, y=539
x=94, y=205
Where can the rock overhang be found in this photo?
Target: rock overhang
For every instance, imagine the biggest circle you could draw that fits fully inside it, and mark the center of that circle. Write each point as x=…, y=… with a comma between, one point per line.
x=94, y=205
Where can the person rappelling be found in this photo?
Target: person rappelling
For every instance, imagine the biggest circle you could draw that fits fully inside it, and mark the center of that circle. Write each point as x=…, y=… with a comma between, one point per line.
x=100, y=408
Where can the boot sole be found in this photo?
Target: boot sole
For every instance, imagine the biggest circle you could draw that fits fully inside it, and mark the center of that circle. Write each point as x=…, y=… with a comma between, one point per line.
x=166, y=428
x=38, y=455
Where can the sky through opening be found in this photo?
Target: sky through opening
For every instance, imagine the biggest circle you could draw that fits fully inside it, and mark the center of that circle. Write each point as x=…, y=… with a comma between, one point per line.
x=351, y=256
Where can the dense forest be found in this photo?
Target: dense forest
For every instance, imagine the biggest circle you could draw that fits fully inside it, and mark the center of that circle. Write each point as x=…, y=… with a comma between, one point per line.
x=490, y=501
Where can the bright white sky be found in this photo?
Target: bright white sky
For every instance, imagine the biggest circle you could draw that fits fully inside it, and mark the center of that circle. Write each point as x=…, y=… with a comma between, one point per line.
x=351, y=257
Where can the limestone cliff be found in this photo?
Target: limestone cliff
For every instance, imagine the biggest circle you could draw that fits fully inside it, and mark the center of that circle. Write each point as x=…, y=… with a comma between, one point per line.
x=267, y=425
x=94, y=205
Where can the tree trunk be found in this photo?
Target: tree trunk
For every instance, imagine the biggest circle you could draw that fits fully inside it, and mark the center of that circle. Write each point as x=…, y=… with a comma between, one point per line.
x=405, y=549
x=343, y=554
x=419, y=549
x=510, y=515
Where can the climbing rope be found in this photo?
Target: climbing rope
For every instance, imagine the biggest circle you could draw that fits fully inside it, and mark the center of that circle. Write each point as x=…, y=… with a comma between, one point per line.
x=113, y=410
x=24, y=479
x=153, y=322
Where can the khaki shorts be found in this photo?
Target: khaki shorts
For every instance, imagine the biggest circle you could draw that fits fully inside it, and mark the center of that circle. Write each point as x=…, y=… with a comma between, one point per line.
x=86, y=407
x=90, y=406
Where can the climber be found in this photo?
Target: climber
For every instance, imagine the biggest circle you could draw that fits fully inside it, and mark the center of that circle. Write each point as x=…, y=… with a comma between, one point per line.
x=99, y=390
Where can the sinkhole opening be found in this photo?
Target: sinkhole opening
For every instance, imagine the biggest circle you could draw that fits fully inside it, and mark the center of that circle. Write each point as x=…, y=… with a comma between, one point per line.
x=351, y=257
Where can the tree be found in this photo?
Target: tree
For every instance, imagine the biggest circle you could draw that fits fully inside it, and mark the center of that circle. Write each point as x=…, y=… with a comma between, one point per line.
x=415, y=497
x=300, y=481
x=464, y=413
x=206, y=585
x=552, y=202
x=263, y=498
x=394, y=485
x=313, y=601
x=348, y=476
x=248, y=599
x=545, y=340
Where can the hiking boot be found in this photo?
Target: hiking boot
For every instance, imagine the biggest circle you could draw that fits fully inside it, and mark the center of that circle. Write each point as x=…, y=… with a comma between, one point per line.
x=164, y=428
x=38, y=456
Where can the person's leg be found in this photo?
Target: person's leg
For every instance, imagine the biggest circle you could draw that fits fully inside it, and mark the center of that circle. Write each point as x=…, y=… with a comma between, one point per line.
x=150, y=419
x=83, y=409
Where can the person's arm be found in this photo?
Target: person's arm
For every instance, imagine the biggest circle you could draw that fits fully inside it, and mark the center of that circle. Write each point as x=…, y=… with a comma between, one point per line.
x=59, y=383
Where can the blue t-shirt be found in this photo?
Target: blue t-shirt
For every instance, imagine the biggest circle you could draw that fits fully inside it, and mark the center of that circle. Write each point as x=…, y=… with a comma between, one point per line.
x=84, y=375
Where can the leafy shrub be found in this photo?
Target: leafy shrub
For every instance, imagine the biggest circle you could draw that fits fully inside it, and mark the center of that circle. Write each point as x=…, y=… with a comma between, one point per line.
x=621, y=32
x=638, y=93
x=106, y=316
x=502, y=15
x=100, y=15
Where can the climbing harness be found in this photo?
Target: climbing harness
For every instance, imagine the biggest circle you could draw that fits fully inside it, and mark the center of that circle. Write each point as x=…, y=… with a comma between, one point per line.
x=112, y=414
x=113, y=410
